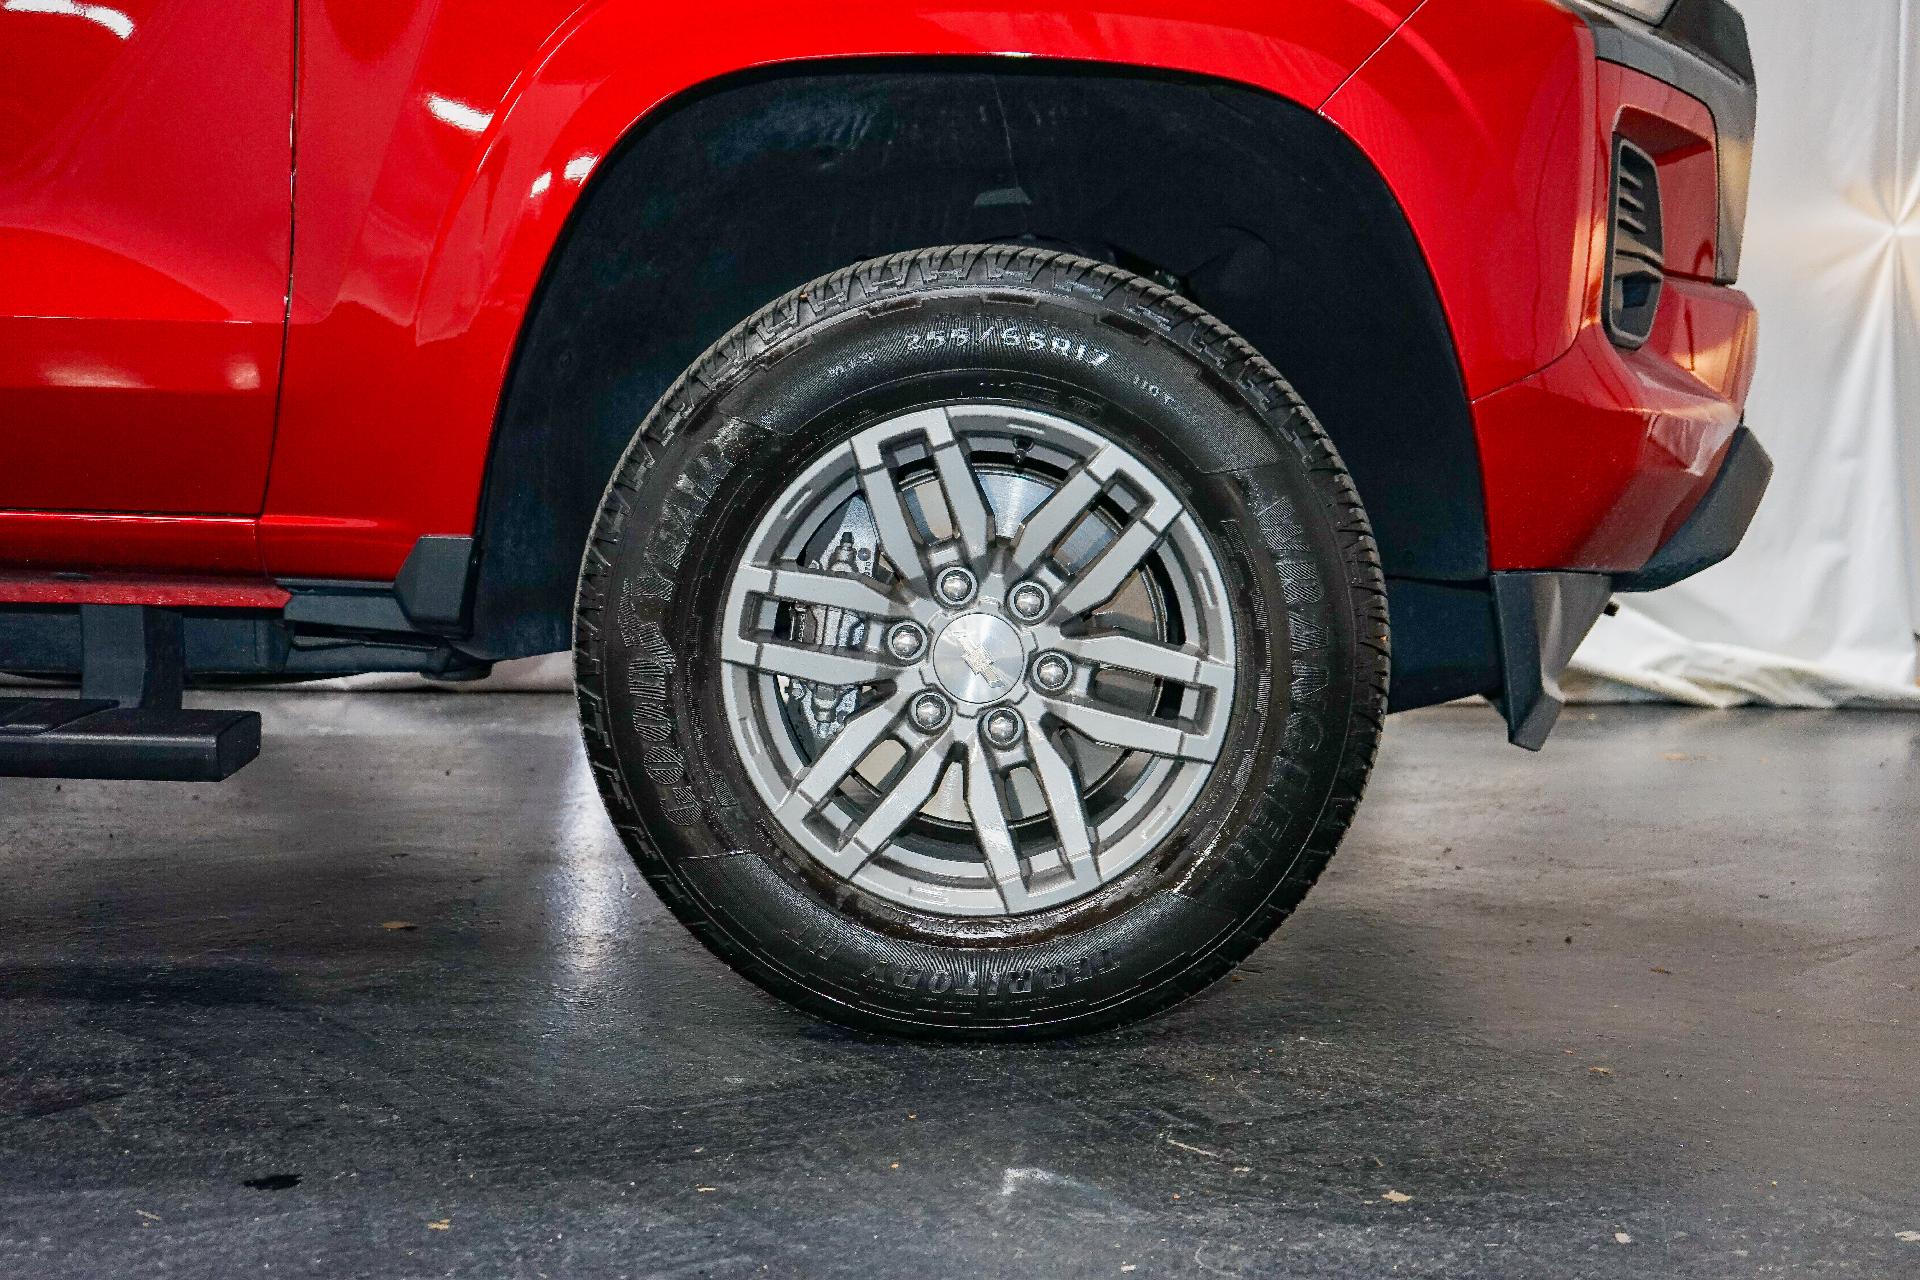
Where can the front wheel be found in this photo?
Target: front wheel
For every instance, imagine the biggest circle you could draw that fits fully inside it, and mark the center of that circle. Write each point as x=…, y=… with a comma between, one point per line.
x=981, y=642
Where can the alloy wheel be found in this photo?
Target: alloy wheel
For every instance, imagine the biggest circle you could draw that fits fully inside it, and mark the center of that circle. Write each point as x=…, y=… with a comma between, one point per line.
x=978, y=660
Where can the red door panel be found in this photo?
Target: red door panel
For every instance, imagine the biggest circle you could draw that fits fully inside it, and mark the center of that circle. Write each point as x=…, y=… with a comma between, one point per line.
x=145, y=215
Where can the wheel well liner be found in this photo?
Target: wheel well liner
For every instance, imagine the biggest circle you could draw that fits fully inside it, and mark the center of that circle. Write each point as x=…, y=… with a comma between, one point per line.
x=1259, y=209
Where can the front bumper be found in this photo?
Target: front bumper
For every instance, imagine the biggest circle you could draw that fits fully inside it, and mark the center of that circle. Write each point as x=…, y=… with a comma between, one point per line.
x=1668, y=408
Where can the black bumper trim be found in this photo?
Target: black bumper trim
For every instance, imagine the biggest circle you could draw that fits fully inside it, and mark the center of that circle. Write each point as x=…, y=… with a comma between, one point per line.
x=1716, y=526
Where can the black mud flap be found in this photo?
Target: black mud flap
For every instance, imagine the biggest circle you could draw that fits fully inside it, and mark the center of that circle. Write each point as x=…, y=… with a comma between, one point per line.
x=1542, y=618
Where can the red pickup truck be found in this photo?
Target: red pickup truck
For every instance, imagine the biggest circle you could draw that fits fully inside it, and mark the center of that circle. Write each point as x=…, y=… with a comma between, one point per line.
x=975, y=453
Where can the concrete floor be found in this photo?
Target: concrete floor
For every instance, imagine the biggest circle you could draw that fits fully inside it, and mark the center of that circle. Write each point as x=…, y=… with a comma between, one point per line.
x=393, y=1002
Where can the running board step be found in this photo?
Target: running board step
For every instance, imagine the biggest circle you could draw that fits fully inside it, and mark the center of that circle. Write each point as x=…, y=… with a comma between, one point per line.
x=92, y=738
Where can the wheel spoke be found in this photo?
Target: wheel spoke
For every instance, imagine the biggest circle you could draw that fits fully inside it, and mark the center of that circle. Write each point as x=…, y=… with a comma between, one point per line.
x=1133, y=733
x=990, y=827
x=898, y=803
x=1096, y=583
x=889, y=513
x=1164, y=661
x=1063, y=802
x=848, y=748
x=1049, y=522
x=851, y=591
x=822, y=666
x=968, y=506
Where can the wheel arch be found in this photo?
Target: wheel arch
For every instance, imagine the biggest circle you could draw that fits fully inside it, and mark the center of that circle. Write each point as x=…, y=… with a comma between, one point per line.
x=747, y=186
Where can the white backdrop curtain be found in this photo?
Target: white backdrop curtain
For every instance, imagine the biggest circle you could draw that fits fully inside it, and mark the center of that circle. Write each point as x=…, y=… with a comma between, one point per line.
x=1819, y=606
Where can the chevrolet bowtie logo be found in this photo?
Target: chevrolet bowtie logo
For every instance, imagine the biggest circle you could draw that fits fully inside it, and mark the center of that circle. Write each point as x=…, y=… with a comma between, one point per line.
x=979, y=661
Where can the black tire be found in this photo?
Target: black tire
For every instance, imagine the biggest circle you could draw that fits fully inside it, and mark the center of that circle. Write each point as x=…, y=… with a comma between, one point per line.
x=1181, y=390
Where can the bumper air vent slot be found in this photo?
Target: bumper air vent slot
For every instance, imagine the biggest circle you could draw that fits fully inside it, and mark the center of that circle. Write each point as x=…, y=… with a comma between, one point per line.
x=1636, y=247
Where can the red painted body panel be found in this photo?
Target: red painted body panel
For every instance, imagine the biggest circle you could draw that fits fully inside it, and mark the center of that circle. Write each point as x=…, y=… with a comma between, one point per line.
x=440, y=160
x=1480, y=117
x=442, y=146
x=145, y=217
x=47, y=541
x=1596, y=459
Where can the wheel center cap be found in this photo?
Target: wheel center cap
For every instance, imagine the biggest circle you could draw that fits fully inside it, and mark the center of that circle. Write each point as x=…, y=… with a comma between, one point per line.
x=978, y=658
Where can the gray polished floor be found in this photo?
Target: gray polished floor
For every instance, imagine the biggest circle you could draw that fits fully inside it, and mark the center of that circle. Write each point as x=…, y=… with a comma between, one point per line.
x=393, y=1002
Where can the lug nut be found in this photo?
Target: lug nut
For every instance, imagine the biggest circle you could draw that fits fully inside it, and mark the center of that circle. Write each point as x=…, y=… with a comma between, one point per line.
x=1002, y=727
x=1052, y=672
x=954, y=585
x=1028, y=601
x=906, y=641
x=929, y=711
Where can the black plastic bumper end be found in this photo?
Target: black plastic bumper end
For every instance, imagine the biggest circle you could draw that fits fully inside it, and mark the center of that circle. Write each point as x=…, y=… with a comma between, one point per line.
x=1716, y=526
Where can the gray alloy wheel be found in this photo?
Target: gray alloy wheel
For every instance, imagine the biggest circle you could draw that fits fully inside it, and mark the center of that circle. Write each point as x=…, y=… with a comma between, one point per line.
x=980, y=661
